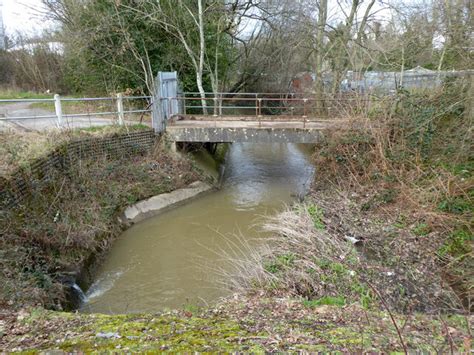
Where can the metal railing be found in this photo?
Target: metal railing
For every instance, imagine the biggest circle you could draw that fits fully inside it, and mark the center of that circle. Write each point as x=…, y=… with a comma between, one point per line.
x=261, y=107
x=270, y=106
x=100, y=110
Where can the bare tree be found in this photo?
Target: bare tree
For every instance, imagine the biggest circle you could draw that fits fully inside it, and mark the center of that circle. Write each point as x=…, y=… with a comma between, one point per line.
x=322, y=20
x=349, y=33
x=183, y=21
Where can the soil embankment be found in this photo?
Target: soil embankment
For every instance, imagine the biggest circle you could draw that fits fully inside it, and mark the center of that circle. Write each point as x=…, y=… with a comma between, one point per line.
x=60, y=213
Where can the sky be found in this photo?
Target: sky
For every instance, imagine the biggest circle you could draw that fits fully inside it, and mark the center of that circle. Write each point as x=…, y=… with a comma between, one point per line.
x=22, y=15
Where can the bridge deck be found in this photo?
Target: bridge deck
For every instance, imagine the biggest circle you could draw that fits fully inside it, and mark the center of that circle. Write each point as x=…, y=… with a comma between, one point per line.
x=246, y=130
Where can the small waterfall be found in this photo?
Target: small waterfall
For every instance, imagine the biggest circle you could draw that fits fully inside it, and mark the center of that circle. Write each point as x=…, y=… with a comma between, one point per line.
x=79, y=293
x=221, y=175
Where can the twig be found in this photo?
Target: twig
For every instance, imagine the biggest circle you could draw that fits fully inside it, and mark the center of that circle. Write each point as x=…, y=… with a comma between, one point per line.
x=448, y=334
x=143, y=113
x=391, y=316
x=56, y=197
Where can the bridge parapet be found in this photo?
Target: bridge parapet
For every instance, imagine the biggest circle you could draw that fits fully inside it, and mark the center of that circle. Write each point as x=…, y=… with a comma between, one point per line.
x=263, y=118
x=244, y=134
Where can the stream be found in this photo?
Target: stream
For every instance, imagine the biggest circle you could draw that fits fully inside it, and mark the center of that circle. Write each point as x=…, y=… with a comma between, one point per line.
x=177, y=258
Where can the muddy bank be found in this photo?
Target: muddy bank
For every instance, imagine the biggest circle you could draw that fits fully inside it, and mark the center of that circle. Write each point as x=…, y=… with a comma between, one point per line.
x=71, y=220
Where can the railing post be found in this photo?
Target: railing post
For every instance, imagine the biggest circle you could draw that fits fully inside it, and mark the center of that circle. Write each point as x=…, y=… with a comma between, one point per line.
x=156, y=115
x=59, y=111
x=164, y=112
x=256, y=104
x=215, y=106
x=215, y=110
x=220, y=105
x=304, y=112
x=120, y=109
x=259, y=112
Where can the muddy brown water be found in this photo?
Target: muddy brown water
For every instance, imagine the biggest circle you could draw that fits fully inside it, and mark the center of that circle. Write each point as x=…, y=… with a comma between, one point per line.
x=178, y=258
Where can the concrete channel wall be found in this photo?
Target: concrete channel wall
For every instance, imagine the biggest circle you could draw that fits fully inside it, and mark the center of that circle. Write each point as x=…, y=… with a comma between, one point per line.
x=25, y=181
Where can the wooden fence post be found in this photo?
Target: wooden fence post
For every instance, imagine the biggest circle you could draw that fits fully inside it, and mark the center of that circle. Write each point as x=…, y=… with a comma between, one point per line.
x=58, y=109
x=120, y=109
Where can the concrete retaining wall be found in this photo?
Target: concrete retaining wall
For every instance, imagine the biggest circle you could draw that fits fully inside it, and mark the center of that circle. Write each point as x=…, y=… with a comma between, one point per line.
x=163, y=202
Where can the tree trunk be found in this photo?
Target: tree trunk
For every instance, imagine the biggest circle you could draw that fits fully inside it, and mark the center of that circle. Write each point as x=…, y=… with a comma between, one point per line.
x=202, y=47
x=322, y=18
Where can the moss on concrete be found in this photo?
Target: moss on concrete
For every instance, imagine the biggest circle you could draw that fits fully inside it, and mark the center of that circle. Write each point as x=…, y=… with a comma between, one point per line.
x=249, y=324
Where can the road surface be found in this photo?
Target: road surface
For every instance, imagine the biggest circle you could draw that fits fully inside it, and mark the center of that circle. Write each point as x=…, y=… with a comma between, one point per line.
x=23, y=109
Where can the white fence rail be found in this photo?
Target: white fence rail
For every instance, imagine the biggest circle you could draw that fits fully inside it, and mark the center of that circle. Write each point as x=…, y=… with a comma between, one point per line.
x=118, y=109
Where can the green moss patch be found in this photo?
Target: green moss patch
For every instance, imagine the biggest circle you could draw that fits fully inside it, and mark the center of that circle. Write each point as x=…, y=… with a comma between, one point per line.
x=247, y=325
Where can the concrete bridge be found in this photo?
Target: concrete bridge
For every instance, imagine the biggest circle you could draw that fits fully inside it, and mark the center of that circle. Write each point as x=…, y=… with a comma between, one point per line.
x=249, y=117
x=196, y=117
x=255, y=117
x=245, y=129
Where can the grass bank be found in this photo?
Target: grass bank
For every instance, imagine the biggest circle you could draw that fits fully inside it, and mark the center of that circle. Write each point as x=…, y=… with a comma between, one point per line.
x=19, y=149
x=49, y=236
x=311, y=255
x=16, y=94
x=412, y=170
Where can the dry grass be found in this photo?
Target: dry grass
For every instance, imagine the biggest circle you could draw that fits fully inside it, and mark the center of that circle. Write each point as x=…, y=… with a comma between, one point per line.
x=308, y=254
x=19, y=149
x=415, y=161
x=396, y=186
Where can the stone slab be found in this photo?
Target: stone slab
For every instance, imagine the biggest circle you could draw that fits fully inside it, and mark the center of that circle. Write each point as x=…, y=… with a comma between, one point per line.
x=160, y=203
